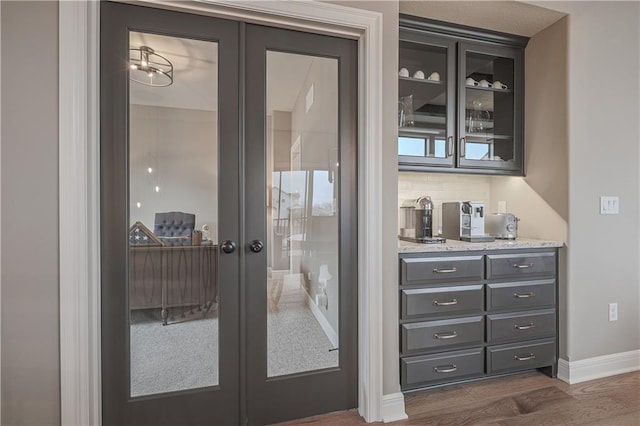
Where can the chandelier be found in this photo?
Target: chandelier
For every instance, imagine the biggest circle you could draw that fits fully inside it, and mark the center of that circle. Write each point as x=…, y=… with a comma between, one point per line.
x=148, y=67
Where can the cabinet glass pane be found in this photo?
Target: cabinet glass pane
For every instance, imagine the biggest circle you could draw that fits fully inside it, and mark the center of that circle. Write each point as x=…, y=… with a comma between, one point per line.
x=173, y=214
x=303, y=232
x=422, y=104
x=489, y=108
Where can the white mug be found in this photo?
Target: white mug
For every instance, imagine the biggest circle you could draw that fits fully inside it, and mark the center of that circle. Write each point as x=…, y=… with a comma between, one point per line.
x=418, y=74
x=472, y=82
x=434, y=76
x=484, y=83
x=404, y=72
x=499, y=85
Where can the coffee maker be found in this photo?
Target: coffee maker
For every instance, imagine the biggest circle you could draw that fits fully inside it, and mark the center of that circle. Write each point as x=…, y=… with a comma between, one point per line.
x=464, y=221
x=416, y=218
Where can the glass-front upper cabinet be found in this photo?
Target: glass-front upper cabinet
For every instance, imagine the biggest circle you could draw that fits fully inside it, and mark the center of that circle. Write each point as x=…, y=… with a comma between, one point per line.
x=490, y=107
x=426, y=104
x=460, y=99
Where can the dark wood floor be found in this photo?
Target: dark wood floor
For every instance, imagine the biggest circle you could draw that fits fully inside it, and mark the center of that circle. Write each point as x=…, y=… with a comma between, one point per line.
x=530, y=399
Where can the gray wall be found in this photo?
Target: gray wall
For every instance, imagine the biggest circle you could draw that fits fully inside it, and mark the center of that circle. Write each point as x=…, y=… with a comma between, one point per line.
x=181, y=146
x=604, y=114
x=30, y=352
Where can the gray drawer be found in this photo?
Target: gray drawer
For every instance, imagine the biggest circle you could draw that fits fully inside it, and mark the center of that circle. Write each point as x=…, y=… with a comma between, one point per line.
x=520, y=265
x=424, y=370
x=441, y=301
x=521, y=326
x=418, y=270
x=519, y=356
x=442, y=334
x=522, y=295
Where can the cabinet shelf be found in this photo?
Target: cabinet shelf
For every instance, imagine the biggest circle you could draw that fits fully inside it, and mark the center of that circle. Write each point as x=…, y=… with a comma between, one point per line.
x=422, y=80
x=488, y=89
x=418, y=132
x=487, y=136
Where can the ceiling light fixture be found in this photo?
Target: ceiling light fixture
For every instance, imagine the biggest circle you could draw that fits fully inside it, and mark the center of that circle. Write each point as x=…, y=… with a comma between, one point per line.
x=148, y=67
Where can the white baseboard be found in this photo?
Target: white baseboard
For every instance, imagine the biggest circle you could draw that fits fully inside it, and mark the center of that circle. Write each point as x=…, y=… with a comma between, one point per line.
x=322, y=320
x=598, y=367
x=393, y=407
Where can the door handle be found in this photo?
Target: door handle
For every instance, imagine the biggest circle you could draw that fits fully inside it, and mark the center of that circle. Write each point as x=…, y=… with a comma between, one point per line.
x=256, y=246
x=228, y=246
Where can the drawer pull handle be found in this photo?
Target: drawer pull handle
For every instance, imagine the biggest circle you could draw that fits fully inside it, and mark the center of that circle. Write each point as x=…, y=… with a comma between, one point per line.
x=524, y=295
x=451, y=335
x=446, y=369
x=524, y=327
x=449, y=303
x=524, y=358
x=445, y=271
x=523, y=265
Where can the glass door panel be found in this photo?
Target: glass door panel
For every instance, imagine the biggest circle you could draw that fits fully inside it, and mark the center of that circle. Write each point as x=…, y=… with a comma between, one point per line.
x=300, y=224
x=302, y=213
x=425, y=105
x=173, y=213
x=488, y=108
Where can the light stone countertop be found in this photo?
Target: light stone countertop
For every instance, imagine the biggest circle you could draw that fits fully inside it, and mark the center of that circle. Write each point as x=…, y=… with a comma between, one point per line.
x=455, y=245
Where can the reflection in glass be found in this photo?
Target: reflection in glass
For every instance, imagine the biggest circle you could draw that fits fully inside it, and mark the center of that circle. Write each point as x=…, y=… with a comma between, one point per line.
x=489, y=109
x=173, y=204
x=422, y=105
x=302, y=213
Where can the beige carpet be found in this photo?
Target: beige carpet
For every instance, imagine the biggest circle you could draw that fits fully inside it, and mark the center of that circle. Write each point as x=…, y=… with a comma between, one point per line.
x=183, y=355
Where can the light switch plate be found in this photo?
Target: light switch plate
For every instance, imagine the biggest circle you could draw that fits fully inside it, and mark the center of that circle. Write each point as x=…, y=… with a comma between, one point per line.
x=609, y=204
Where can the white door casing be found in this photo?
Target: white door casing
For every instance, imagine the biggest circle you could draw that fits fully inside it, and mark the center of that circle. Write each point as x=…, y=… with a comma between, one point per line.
x=79, y=141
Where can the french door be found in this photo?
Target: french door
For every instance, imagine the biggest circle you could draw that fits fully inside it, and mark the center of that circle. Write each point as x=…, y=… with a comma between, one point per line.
x=228, y=220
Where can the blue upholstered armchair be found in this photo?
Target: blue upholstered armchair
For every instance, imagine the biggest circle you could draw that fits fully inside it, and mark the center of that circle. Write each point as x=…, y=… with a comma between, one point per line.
x=174, y=228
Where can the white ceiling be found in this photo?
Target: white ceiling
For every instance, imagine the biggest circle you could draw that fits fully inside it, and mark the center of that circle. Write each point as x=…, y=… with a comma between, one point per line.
x=510, y=16
x=195, y=65
x=195, y=73
x=286, y=73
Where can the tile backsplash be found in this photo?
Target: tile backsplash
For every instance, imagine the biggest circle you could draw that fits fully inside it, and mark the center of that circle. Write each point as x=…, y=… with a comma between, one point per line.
x=443, y=187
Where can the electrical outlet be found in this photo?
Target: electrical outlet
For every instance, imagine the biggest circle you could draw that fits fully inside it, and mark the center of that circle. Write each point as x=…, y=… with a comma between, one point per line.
x=613, y=312
x=502, y=206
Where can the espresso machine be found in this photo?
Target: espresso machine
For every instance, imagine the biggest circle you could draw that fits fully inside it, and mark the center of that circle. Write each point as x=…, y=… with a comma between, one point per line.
x=416, y=221
x=464, y=221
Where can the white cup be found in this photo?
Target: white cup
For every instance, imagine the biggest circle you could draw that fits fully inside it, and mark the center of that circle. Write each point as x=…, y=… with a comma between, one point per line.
x=484, y=83
x=472, y=82
x=498, y=85
x=403, y=72
x=418, y=74
x=434, y=76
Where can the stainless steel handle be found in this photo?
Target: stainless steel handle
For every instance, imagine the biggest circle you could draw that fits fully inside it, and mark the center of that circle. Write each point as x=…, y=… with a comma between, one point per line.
x=463, y=149
x=446, y=369
x=524, y=358
x=523, y=265
x=524, y=327
x=524, y=295
x=451, y=335
x=449, y=146
x=445, y=271
x=449, y=303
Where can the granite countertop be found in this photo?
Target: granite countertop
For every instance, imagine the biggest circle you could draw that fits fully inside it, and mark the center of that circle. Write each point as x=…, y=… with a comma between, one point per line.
x=455, y=245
